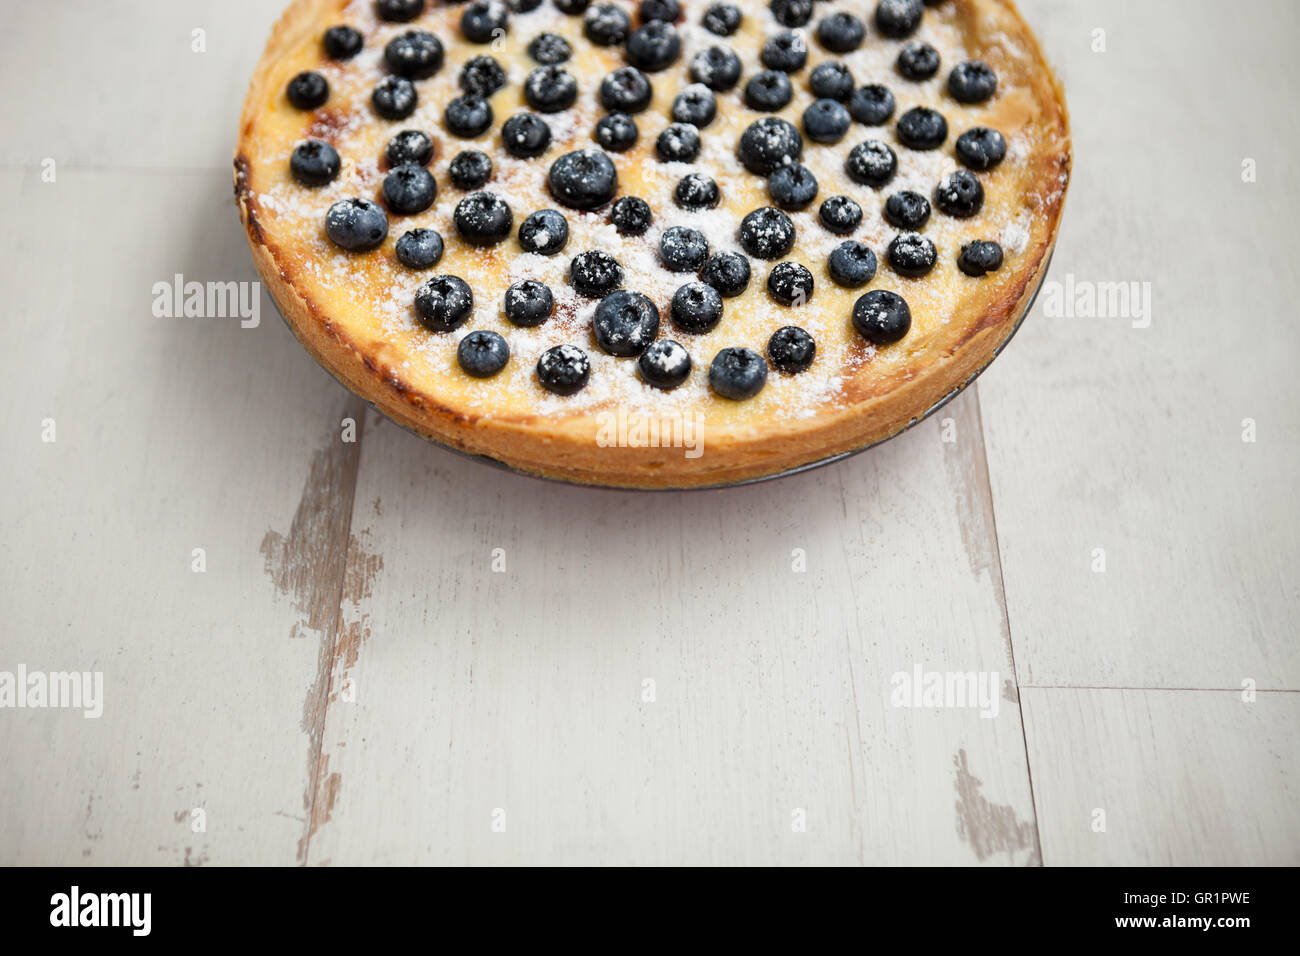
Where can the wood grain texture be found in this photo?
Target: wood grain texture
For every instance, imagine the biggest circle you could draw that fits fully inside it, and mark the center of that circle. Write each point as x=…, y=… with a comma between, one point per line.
x=122, y=84
x=171, y=434
x=350, y=681
x=1106, y=436
x=522, y=689
x=1185, y=778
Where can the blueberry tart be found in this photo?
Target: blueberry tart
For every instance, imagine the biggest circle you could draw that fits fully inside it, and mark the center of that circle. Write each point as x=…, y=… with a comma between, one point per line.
x=562, y=234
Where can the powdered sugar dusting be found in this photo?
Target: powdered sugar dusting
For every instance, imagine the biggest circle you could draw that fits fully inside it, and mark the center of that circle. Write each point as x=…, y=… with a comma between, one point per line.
x=387, y=290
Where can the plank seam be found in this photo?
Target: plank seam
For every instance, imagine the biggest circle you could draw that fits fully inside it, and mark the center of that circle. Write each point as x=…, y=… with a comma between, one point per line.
x=355, y=409
x=1000, y=585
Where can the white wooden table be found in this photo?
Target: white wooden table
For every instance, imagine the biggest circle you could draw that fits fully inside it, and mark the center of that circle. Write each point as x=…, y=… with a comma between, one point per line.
x=650, y=679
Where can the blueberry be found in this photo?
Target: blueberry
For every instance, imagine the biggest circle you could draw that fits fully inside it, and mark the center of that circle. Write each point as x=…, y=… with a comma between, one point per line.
x=717, y=67
x=738, y=373
x=792, y=186
x=792, y=13
x=922, y=128
x=468, y=116
x=410, y=147
x=882, y=317
x=980, y=257
x=722, y=19
x=907, y=210
x=981, y=148
x=595, y=273
x=394, y=98
x=768, y=91
x=409, y=189
x=342, y=43
x=631, y=216
x=523, y=6
x=728, y=272
x=626, y=90
x=917, y=61
x=529, y=303
x=897, y=19
x=399, y=11
x=696, y=308
x=972, y=82
x=419, y=249
x=443, y=303
x=787, y=52
x=415, y=54
x=695, y=105
x=544, y=232
x=314, y=163
x=571, y=7
x=356, y=225
x=665, y=364
x=841, y=32
x=654, y=46
x=484, y=20
x=470, y=169
x=616, y=132
x=525, y=135
x=678, y=143
x=768, y=144
x=826, y=121
x=871, y=163
x=563, y=369
x=625, y=323
x=767, y=233
x=696, y=191
x=482, y=76
x=606, y=24
x=549, y=48
x=911, y=255
x=791, y=350
x=851, y=264
x=872, y=105
x=840, y=215
x=668, y=10
x=831, y=80
x=959, y=194
x=549, y=89
x=482, y=353
x=483, y=219
x=308, y=90
x=585, y=179
x=790, y=283
x=683, y=249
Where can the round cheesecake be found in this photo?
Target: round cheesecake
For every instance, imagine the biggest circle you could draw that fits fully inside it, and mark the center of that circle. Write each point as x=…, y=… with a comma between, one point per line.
x=654, y=245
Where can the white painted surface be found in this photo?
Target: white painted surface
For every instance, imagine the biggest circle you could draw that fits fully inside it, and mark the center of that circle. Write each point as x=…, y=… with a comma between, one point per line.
x=170, y=435
x=1102, y=435
x=1157, y=777
x=423, y=690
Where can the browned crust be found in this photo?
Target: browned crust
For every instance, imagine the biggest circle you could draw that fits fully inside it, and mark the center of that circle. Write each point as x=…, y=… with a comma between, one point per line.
x=567, y=449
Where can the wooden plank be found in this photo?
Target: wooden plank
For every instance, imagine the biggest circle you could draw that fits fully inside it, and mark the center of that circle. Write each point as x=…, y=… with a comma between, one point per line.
x=1184, y=778
x=170, y=434
x=1110, y=435
x=521, y=690
x=131, y=88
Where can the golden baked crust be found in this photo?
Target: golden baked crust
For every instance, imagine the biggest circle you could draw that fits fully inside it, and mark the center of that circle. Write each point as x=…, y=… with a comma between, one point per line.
x=354, y=313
